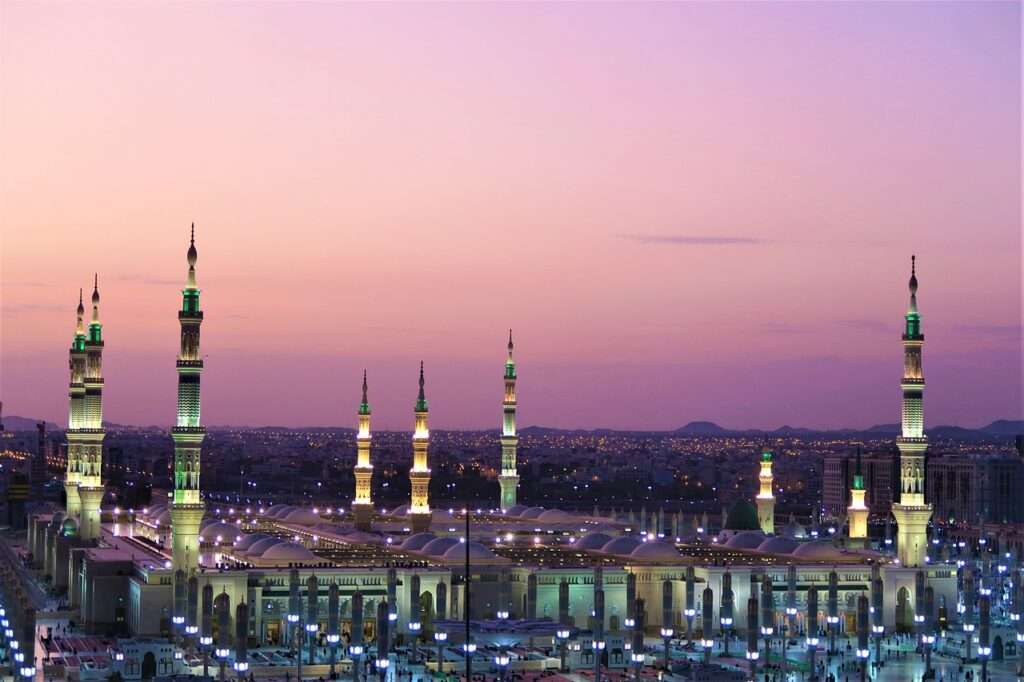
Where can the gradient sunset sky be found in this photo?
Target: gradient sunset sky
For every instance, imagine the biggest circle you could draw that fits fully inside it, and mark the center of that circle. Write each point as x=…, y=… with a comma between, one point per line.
x=686, y=211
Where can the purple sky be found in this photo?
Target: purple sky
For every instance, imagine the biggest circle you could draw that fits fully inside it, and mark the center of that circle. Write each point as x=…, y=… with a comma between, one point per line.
x=686, y=211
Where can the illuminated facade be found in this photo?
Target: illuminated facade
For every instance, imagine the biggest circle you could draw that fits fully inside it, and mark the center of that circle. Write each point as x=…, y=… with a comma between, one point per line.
x=765, y=499
x=911, y=512
x=362, y=505
x=509, y=477
x=76, y=414
x=90, y=466
x=857, y=512
x=188, y=433
x=419, y=475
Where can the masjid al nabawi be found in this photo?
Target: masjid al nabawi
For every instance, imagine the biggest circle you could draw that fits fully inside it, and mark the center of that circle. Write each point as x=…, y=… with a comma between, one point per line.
x=147, y=573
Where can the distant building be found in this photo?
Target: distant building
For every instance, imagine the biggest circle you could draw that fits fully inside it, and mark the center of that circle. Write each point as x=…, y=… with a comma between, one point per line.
x=881, y=471
x=969, y=488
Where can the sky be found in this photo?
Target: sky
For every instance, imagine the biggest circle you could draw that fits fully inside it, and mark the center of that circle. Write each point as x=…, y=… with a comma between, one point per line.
x=686, y=211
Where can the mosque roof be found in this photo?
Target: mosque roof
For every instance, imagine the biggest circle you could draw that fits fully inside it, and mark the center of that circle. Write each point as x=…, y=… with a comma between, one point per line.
x=748, y=539
x=655, y=551
x=742, y=516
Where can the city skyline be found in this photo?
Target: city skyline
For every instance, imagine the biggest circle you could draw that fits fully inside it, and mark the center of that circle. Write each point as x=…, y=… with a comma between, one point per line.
x=727, y=242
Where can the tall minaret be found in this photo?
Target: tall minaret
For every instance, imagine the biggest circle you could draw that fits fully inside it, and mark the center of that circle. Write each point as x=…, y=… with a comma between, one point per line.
x=911, y=512
x=419, y=475
x=362, y=505
x=90, y=481
x=76, y=414
x=765, y=500
x=509, y=478
x=188, y=434
x=857, y=512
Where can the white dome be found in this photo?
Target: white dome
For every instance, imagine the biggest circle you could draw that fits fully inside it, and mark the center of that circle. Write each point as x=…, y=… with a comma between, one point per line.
x=154, y=510
x=593, y=541
x=621, y=546
x=164, y=519
x=287, y=552
x=260, y=546
x=476, y=551
x=276, y=508
x=777, y=545
x=415, y=543
x=746, y=539
x=555, y=516
x=819, y=550
x=358, y=537
x=532, y=513
x=301, y=517
x=248, y=541
x=655, y=551
x=281, y=513
x=516, y=510
x=221, y=529
x=438, y=546
x=401, y=510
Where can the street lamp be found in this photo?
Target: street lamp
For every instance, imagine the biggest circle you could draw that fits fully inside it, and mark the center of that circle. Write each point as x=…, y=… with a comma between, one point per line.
x=440, y=638
x=414, y=629
x=382, y=667
x=666, y=635
x=501, y=660
x=562, y=634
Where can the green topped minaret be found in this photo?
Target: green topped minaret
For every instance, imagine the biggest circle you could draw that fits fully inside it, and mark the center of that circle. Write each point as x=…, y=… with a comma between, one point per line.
x=419, y=475
x=362, y=505
x=911, y=512
x=90, y=477
x=508, y=480
x=188, y=433
x=765, y=498
x=857, y=512
x=76, y=413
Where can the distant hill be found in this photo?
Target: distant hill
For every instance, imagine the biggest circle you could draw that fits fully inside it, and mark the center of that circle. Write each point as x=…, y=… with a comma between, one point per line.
x=1004, y=427
x=15, y=423
x=702, y=429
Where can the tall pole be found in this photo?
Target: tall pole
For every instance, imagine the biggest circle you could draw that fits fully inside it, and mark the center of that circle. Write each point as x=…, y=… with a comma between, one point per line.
x=667, y=619
x=333, y=634
x=812, y=628
x=563, y=619
x=640, y=616
x=929, y=636
x=752, y=637
x=707, y=623
x=862, y=635
x=468, y=648
x=356, y=648
x=767, y=616
x=984, y=639
x=833, y=610
x=206, y=634
x=598, y=632
x=725, y=614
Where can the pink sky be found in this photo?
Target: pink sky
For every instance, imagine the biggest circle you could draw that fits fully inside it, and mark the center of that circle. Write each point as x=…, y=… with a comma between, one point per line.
x=686, y=211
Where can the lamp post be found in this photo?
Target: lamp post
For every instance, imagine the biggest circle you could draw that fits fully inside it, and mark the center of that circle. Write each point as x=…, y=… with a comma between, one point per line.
x=666, y=635
x=637, y=652
x=725, y=612
x=767, y=616
x=832, y=620
x=414, y=624
x=333, y=636
x=562, y=635
x=707, y=623
x=598, y=642
x=812, y=628
x=206, y=634
x=440, y=638
x=382, y=668
x=356, y=648
x=984, y=640
x=501, y=660
x=383, y=638
x=928, y=638
x=688, y=609
x=862, y=635
x=752, y=637
x=312, y=614
x=223, y=619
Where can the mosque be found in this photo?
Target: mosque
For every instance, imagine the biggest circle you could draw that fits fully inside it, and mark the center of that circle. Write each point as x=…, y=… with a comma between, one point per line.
x=150, y=572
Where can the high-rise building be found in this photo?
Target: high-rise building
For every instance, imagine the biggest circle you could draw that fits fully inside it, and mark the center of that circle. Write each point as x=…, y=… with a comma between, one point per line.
x=972, y=488
x=857, y=512
x=765, y=499
x=90, y=478
x=912, y=512
x=188, y=432
x=419, y=475
x=509, y=477
x=76, y=415
x=362, y=505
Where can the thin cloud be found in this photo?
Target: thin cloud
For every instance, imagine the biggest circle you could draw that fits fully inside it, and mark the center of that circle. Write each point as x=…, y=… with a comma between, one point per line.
x=148, y=280
x=866, y=325
x=689, y=240
x=989, y=329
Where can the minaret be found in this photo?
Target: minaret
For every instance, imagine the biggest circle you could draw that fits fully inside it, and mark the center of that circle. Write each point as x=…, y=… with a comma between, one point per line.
x=509, y=478
x=76, y=414
x=90, y=480
x=419, y=475
x=857, y=512
x=911, y=512
x=362, y=505
x=188, y=434
x=765, y=500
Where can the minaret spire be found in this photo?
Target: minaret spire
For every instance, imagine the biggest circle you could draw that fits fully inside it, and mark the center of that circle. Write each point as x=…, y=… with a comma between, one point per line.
x=362, y=505
x=90, y=480
x=188, y=432
x=765, y=498
x=911, y=512
x=508, y=479
x=419, y=475
x=76, y=412
x=857, y=512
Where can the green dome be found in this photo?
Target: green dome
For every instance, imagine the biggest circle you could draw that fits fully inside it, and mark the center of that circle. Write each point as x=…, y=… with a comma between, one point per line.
x=742, y=516
x=69, y=528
